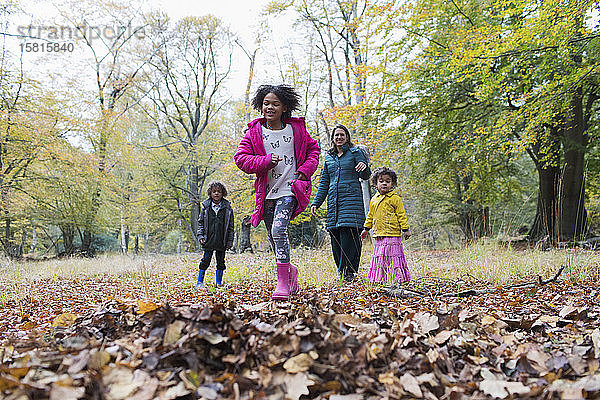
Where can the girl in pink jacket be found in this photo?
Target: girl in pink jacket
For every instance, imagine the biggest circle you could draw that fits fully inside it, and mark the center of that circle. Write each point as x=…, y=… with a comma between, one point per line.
x=282, y=154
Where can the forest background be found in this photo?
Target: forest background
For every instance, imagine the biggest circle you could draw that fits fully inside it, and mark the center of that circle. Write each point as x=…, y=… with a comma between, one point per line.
x=487, y=109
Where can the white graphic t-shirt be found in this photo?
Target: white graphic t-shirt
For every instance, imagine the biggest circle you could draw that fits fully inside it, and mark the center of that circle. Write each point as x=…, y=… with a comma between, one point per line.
x=280, y=178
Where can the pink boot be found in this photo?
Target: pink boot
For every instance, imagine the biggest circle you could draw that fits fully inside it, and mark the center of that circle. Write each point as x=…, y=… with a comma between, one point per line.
x=282, y=290
x=293, y=279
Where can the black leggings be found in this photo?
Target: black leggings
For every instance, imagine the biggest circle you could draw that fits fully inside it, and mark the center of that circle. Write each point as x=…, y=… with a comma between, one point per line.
x=219, y=255
x=346, y=247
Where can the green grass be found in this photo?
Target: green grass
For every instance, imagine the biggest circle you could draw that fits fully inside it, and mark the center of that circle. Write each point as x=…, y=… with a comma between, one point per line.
x=499, y=265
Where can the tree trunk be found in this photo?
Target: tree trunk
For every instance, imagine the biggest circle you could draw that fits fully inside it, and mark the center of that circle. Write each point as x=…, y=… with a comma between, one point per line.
x=544, y=223
x=249, y=84
x=465, y=215
x=483, y=222
x=33, y=241
x=179, y=238
x=68, y=234
x=86, y=244
x=7, y=236
x=123, y=245
x=572, y=215
x=146, y=241
x=194, y=204
x=245, y=235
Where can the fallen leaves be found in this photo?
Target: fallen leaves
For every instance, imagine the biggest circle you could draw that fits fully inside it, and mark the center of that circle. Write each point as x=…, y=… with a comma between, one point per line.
x=325, y=344
x=302, y=349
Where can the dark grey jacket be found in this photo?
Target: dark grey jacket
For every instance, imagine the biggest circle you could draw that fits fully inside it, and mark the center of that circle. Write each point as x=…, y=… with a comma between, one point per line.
x=229, y=223
x=339, y=182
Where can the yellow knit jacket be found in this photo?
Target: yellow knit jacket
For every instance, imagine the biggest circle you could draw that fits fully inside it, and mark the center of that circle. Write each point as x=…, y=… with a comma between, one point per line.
x=386, y=215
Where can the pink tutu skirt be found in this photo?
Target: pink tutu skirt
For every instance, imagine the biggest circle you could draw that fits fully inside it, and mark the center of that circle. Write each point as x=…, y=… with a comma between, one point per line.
x=388, y=260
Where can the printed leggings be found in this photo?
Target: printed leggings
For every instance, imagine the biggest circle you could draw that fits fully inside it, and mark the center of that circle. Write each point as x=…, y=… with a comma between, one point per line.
x=277, y=216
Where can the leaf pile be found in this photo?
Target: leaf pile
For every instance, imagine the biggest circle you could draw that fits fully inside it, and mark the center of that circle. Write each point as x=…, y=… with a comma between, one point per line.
x=310, y=348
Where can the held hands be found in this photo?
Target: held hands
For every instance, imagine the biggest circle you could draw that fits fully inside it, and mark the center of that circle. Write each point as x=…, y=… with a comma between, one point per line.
x=275, y=159
x=406, y=235
x=360, y=167
x=364, y=234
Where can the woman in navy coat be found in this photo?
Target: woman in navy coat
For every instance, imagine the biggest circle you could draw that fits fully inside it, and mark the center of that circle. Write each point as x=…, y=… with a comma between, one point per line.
x=344, y=164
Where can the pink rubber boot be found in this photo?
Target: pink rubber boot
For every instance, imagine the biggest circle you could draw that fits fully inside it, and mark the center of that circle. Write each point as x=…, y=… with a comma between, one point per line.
x=293, y=279
x=282, y=290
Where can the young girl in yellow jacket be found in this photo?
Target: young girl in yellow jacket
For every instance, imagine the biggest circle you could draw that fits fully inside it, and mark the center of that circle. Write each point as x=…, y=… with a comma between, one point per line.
x=387, y=218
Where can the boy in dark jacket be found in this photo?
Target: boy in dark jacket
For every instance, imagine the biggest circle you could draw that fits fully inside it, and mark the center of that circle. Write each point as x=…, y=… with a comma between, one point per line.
x=215, y=230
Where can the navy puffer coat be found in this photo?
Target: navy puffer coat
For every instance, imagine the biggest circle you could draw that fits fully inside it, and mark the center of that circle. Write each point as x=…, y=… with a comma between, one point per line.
x=339, y=182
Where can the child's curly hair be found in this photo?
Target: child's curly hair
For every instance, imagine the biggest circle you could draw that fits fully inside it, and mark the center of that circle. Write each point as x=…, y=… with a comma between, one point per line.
x=286, y=94
x=384, y=171
x=214, y=185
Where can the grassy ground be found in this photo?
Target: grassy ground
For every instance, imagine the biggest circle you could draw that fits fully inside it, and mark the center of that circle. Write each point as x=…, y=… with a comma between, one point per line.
x=158, y=277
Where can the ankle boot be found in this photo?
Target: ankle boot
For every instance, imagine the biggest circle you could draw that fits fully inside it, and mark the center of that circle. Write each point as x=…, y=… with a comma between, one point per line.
x=282, y=290
x=200, y=282
x=293, y=279
x=219, y=276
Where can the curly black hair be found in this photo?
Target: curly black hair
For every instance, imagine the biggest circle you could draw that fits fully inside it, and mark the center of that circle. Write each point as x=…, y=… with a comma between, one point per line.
x=286, y=94
x=214, y=185
x=384, y=171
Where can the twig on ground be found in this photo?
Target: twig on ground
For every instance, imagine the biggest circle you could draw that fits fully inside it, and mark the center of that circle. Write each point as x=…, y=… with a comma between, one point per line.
x=406, y=293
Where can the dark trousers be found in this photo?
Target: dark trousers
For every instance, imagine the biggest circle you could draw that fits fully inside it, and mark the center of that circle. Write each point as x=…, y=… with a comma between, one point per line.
x=219, y=255
x=346, y=247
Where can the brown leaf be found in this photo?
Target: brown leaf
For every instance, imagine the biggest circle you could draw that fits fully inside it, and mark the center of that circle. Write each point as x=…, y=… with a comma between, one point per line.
x=17, y=372
x=98, y=359
x=387, y=378
x=538, y=360
x=411, y=385
x=120, y=383
x=596, y=342
x=426, y=322
x=297, y=385
x=479, y=360
x=61, y=391
x=65, y=320
x=488, y=320
x=433, y=355
x=493, y=387
x=146, y=307
x=573, y=313
x=173, y=332
x=442, y=337
x=147, y=387
x=516, y=388
x=300, y=363
x=578, y=364
x=174, y=392
x=7, y=382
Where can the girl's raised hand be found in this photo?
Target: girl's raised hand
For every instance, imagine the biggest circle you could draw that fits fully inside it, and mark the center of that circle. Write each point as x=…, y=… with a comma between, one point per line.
x=406, y=234
x=360, y=167
x=364, y=234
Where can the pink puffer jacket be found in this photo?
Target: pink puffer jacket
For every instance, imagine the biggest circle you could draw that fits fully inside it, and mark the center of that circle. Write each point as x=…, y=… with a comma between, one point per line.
x=252, y=158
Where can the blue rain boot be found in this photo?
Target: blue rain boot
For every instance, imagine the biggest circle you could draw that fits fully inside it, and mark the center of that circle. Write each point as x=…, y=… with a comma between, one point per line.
x=219, y=275
x=200, y=283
